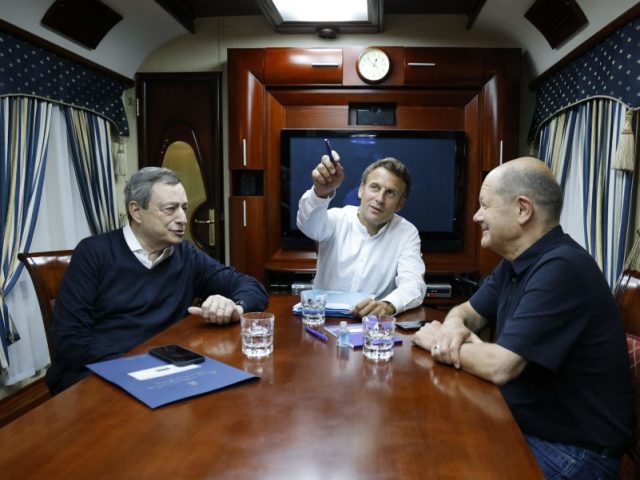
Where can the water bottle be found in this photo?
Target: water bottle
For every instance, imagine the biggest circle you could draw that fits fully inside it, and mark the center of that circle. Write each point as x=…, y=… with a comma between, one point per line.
x=343, y=334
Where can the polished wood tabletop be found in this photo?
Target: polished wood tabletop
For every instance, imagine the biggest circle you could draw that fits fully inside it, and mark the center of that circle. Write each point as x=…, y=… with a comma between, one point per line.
x=318, y=412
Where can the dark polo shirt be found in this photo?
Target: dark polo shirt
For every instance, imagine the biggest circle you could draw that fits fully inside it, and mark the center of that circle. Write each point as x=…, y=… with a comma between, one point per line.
x=553, y=307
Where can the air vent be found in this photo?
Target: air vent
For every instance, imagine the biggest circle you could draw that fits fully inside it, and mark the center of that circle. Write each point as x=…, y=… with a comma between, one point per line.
x=557, y=20
x=84, y=21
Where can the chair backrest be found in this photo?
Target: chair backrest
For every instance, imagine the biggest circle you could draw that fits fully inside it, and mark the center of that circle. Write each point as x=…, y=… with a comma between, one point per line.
x=46, y=270
x=627, y=294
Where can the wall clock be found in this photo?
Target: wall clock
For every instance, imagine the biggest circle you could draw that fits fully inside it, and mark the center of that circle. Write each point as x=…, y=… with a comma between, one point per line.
x=373, y=65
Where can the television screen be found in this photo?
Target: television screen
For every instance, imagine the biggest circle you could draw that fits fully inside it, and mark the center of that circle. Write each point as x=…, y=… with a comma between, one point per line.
x=435, y=160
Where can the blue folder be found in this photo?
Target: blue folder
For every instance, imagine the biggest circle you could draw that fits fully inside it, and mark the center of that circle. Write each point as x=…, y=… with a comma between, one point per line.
x=200, y=378
x=339, y=304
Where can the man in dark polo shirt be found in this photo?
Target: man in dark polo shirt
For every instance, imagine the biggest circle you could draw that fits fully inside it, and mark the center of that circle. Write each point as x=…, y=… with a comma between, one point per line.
x=560, y=354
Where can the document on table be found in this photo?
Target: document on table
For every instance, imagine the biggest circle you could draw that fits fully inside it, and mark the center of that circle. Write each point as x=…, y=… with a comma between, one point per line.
x=339, y=304
x=156, y=383
x=356, y=334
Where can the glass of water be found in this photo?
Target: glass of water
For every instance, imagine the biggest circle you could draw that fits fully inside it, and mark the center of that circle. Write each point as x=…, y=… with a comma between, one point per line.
x=378, y=335
x=313, y=305
x=257, y=334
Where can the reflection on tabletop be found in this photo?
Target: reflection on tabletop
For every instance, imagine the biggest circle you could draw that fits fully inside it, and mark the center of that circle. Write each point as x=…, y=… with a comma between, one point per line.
x=489, y=402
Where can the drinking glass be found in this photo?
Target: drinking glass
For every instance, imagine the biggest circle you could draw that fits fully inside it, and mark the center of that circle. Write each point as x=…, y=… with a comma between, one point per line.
x=257, y=334
x=378, y=335
x=313, y=305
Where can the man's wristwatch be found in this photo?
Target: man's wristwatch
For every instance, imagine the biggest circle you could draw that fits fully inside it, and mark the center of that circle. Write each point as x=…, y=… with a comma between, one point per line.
x=241, y=304
x=393, y=309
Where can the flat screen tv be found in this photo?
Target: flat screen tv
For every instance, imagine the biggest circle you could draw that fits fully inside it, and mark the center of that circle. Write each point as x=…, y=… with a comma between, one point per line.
x=435, y=159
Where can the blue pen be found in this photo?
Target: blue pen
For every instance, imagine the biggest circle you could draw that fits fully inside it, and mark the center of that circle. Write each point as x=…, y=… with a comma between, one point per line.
x=316, y=333
x=327, y=145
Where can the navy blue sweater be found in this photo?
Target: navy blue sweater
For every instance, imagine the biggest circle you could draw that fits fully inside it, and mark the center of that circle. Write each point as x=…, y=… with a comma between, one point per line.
x=109, y=302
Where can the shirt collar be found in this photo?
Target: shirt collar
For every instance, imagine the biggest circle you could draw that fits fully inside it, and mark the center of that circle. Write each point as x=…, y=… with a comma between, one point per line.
x=141, y=254
x=531, y=254
x=363, y=229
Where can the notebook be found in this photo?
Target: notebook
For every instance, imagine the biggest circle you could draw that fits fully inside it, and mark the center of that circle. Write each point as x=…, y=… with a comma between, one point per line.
x=355, y=334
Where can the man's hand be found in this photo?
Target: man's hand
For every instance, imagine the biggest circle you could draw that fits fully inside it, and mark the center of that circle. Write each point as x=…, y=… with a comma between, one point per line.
x=369, y=306
x=327, y=176
x=444, y=340
x=426, y=336
x=218, y=309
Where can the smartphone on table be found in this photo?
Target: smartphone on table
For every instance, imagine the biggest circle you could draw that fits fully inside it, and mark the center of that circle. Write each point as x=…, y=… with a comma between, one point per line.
x=177, y=355
x=411, y=324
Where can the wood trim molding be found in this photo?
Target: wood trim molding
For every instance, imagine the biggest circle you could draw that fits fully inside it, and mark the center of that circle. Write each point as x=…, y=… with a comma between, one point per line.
x=632, y=14
x=25, y=399
x=53, y=48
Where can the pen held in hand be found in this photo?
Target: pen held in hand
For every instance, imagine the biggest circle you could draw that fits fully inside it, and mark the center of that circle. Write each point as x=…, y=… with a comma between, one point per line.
x=327, y=145
x=317, y=334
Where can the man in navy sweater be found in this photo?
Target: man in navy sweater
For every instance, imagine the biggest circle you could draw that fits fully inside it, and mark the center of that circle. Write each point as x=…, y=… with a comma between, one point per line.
x=125, y=286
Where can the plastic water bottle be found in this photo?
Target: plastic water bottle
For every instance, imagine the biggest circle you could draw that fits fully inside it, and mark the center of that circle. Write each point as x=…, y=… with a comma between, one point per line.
x=343, y=334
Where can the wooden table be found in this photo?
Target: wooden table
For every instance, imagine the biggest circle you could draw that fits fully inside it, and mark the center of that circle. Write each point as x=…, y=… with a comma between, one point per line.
x=317, y=413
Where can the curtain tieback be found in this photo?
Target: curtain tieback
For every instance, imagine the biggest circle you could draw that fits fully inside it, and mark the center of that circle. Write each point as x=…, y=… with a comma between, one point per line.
x=624, y=158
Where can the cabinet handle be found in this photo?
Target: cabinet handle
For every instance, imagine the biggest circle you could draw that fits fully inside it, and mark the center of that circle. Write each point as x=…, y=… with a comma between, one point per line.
x=501, y=151
x=325, y=65
x=421, y=64
x=244, y=152
x=244, y=213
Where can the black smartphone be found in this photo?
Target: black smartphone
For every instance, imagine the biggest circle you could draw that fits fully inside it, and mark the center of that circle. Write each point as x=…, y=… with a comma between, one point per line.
x=411, y=324
x=176, y=354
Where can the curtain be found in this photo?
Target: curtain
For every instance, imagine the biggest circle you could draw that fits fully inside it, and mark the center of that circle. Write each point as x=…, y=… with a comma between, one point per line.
x=60, y=225
x=579, y=145
x=23, y=153
x=90, y=147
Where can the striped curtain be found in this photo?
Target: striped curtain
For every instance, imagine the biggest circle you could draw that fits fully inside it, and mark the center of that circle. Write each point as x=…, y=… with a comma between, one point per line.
x=90, y=146
x=579, y=145
x=23, y=153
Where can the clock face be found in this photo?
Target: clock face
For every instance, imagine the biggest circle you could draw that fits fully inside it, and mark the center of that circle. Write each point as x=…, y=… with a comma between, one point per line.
x=373, y=65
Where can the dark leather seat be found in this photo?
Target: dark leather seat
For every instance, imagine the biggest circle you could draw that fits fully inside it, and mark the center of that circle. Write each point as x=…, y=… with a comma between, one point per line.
x=46, y=270
x=627, y=294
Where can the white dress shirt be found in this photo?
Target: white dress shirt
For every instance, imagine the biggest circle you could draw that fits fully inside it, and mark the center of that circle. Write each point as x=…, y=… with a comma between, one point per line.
x=388, y=264
x=141, y=254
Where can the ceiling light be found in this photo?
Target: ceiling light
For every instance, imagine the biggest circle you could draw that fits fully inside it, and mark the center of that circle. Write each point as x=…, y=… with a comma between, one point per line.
x=309, y=16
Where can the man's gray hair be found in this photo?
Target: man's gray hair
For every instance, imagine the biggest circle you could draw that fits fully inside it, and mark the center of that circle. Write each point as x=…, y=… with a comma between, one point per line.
x=537, y=184
x=395, y=166
x=139, y=186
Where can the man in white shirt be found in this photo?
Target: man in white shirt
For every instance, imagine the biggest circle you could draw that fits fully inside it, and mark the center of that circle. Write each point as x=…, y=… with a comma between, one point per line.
x=367, y=248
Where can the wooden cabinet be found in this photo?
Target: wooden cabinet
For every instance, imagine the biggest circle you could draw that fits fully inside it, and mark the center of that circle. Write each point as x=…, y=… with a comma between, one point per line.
x=246, y=134
x=443, y=67
x=500, y=119
x=247, y=236
x=474, y=90
x=303, y=66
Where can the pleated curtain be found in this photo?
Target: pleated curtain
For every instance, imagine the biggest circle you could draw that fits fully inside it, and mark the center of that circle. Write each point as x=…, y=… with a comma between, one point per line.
x=579, y=145
x=24, y=123
x=90, y=146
